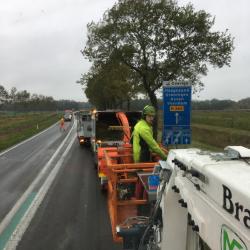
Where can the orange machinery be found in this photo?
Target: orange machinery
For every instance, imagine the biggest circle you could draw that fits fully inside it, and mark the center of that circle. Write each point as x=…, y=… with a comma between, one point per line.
x=102, y=165
x=123, y=184
x=125, y=192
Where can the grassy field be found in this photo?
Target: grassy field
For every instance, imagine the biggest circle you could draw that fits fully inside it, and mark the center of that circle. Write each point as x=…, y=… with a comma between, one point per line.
x=220, y=129
x=214, y=130
x=239, y=120
x=16, y=127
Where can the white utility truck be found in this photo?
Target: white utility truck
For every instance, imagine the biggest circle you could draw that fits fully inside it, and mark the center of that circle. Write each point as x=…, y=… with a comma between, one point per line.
x=85, y=127
x=203, y=202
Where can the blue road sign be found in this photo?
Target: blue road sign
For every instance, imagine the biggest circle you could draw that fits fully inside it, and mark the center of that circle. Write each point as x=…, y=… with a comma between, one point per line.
x=177, y=114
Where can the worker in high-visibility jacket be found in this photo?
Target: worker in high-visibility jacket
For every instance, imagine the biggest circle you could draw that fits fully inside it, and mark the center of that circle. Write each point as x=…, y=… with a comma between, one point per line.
x=62, y=128
x=143, y=140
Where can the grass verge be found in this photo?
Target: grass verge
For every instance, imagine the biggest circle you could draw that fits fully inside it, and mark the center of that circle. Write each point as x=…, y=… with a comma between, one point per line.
x=15, y=128
x=220, y=137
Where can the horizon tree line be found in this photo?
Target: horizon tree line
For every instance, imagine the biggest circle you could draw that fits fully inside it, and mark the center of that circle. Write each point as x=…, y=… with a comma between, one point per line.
x=22, y=101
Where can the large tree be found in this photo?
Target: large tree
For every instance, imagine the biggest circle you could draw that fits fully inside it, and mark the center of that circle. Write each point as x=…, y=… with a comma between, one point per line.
x=3, y=94
x=22, y=96
x=159, y=40
x=110, y=85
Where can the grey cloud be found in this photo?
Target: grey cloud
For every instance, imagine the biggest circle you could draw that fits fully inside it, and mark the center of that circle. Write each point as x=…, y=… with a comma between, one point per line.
x=41, y=42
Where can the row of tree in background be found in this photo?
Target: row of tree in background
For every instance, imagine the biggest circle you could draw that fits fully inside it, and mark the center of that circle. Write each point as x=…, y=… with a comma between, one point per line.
x=215, y=104
x=23, y=101
x=212, y=105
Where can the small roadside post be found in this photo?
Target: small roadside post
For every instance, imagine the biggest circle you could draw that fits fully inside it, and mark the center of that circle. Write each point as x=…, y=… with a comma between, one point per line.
x=176, y=113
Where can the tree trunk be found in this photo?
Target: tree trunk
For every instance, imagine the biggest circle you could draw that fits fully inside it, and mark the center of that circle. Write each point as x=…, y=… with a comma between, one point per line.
x=128, y=104
x=153, y=100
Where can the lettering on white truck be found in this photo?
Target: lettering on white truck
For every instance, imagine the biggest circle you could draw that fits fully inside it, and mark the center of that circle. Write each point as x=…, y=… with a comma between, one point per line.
x=235, y=207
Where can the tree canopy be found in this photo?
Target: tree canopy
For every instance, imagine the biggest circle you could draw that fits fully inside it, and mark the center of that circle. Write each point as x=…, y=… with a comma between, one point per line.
x=3, y=94
x=159, y=41
x=109, y=85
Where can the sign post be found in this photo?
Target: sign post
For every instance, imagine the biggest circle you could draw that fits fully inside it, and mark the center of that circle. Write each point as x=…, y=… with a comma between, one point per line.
x=177, y=114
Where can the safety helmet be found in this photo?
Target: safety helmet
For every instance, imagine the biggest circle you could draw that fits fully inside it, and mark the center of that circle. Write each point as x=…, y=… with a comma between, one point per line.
x=148, y=110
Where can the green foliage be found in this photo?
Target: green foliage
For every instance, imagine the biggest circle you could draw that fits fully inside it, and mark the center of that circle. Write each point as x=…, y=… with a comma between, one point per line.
x=23, y=101
x=214, y=104
x=244, y=103
x=139, y=104
x=158, y=40
x=109, y=85
x=3, y=94
x=69, y=104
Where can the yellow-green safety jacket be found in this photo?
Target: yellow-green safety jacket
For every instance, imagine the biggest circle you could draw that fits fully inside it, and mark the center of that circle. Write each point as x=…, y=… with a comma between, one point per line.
x=144, y=143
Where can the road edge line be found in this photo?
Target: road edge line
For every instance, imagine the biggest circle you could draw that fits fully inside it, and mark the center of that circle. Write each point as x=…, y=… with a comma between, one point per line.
x=7, y=219
x=31, y=211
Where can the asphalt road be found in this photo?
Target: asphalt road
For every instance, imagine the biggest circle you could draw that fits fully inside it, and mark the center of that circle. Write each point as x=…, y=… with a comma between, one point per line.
x=19, y=166
x=73, y=215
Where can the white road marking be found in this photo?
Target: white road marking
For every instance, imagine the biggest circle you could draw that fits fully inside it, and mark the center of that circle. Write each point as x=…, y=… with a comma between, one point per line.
x=26, y=219
x=7, y=219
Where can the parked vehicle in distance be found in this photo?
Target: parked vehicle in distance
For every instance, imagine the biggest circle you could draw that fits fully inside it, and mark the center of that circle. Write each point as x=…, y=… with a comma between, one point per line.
x=67, y=115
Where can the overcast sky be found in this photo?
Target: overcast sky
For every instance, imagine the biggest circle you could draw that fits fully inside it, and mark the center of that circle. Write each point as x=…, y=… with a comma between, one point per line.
x=40, y=43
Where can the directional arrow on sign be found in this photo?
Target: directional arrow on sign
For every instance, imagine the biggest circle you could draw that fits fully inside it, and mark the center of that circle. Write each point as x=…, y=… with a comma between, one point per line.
x=176, y=118
x=177, y=115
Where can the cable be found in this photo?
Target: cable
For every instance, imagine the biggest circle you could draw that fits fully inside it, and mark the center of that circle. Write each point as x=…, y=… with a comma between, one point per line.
x=152, y=217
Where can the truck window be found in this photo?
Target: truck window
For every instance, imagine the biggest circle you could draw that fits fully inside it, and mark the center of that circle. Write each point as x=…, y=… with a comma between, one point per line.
x=86, y=118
